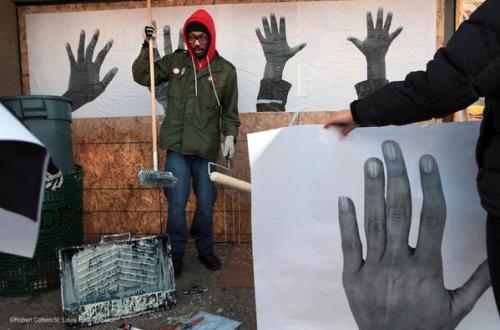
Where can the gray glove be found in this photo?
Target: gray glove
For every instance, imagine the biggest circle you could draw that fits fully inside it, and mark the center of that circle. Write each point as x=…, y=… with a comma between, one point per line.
x=228, y=150
x=54, y=181
x=150, y=30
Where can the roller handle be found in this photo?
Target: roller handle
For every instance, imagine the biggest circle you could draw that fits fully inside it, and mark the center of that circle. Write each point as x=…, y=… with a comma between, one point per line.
x=229, y=181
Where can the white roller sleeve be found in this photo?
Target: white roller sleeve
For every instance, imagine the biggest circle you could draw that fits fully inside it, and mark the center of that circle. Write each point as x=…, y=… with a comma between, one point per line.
x=229, y=181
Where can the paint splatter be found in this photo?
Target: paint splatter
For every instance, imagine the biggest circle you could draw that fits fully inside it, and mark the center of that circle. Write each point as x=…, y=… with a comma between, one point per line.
x=113, y=280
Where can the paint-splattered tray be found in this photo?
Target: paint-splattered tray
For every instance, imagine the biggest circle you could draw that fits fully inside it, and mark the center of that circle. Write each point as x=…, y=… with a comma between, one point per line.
x=116, y=279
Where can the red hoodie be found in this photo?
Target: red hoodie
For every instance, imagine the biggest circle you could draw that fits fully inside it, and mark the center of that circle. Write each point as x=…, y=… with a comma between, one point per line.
x=203, y=17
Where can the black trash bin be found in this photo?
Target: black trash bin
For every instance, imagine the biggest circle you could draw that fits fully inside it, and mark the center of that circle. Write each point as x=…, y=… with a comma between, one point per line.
x=49, y=119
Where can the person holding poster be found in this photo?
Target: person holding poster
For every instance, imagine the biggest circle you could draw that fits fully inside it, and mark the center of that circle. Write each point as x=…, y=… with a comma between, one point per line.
x=467, y=68
x=202, y=104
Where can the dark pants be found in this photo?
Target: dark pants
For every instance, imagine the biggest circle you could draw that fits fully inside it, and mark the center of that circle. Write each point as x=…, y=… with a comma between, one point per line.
x=187, y=170
x=493, y=249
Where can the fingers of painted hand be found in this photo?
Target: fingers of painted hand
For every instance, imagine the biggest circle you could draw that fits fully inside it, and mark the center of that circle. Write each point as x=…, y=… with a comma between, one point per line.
x=282, y=30
x=167, y=40
x=375, y=226
x=349, y=235
x=395, y=34
x=228, y=150
x=162, y=95
x=108, y=77
x=297, y=49
x=54, y=181
x=89, y=53
x=472, y=290
x=104, y=51
x=181, y=44
x=274, y=26
x=398, y=200
x=387, y=23
x=387, y=26
x=380, y=19
x=81, y=46
x=261, y=38
x=71, y=57
x=433, y=215
x=358, y=43
x=156, y=53
x=267, y=29
x=369, y=23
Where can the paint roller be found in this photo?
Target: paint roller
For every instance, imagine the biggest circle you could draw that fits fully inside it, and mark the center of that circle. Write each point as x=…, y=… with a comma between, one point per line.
x=227, y=180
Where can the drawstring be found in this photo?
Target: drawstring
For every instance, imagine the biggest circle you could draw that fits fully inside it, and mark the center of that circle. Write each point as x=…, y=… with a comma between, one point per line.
x=212, y=81
x=195, y=78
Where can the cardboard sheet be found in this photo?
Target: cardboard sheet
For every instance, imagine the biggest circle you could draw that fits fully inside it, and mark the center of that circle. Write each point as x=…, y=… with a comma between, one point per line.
x=22, y=172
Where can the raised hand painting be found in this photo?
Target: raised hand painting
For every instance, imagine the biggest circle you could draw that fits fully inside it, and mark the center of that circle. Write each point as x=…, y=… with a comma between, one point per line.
x=273, y=91
x=84, y=84
x=374, y=48
x=397, y=286
x=161, y=89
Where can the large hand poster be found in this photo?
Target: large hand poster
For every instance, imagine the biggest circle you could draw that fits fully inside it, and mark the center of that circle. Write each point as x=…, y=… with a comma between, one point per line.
x=289, y=56
x=406, y=253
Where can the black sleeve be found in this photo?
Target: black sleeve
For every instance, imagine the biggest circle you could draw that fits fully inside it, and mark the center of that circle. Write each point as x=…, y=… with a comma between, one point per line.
x=367, y=87
x=273, y=95
x=462, y=71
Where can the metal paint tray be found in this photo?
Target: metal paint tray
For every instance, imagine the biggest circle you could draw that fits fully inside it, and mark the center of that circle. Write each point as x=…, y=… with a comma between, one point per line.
x=116, y=279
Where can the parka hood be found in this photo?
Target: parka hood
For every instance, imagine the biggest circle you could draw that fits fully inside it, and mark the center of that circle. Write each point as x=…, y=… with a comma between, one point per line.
x=203, y=17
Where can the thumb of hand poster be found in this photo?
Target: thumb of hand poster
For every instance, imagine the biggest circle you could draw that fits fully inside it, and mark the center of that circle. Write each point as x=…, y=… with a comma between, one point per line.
x=24, y=161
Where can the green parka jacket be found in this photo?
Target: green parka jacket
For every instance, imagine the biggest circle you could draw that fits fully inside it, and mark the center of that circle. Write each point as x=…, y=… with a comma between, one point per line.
x=194, y=119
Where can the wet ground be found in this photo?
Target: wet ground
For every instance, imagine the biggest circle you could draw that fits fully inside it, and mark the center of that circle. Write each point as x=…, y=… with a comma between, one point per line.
x=228, y=292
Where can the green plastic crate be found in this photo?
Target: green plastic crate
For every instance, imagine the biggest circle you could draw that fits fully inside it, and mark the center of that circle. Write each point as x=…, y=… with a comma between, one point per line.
x=61, y=226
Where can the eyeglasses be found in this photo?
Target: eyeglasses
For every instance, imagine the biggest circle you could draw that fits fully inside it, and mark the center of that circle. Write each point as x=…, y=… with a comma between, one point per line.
x=203, y=39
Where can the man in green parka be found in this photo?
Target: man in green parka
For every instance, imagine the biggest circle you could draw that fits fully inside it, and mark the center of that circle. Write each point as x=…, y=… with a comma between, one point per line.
x=202, y=103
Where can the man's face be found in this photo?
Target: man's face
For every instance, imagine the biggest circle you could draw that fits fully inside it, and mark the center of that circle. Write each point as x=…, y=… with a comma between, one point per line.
x=199, y=42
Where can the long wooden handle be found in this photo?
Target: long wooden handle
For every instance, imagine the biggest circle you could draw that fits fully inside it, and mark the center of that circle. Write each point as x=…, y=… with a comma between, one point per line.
x=227, y=180
x=153, y=91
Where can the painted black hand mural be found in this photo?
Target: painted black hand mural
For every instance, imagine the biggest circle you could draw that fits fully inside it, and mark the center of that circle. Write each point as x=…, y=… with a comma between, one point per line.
x=161, y=89
x=375, y=47
x=274, y=90
x=84, y=85
x=399, y=287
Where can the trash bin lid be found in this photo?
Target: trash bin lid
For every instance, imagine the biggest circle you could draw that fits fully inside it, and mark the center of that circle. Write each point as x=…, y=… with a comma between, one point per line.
x=38, y=106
